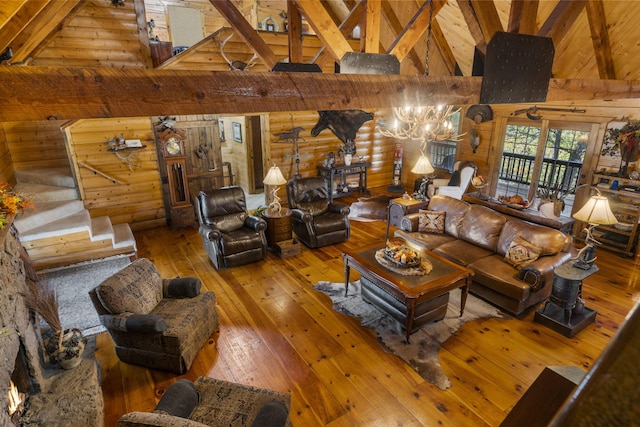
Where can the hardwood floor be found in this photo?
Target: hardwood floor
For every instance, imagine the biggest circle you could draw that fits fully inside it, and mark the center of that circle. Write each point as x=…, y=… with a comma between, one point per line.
x=277, y=332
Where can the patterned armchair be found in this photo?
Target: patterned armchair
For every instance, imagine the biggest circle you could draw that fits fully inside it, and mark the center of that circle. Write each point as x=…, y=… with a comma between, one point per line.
x=212, y=402
x=314, y=220
x=230, y=235
x=155, y=322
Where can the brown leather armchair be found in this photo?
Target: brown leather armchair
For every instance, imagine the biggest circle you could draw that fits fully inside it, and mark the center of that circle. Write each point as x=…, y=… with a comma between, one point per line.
x=315, y=221
x=230, y=235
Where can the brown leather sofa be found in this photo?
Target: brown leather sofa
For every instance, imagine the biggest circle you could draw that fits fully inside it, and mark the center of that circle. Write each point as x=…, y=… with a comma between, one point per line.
x=230, y=235
x=478, y=238
x=315, y=221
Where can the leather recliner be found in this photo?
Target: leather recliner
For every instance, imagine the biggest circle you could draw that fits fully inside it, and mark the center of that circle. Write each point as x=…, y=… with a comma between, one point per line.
x=230, y=235
x=315, y=220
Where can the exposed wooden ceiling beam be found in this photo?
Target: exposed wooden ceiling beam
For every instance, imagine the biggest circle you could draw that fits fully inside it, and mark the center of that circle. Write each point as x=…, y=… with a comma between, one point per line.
x=294, y=33
x=487, y=17
x=372, y=26
x=324, y=27
x=473, y=25
x=346, y=27
x=522, y=17
x=41, y=93
x=396, y=26
x=248, y=34
x=19, y=21
x=412, y=32
x=600, y=38
x=561, y=19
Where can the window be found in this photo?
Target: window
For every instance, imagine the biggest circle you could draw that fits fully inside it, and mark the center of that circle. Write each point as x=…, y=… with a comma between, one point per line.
x=442, y=154
x=526, y=165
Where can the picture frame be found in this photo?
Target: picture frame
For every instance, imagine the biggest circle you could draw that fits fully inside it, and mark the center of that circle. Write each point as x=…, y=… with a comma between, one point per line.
x=221, y=131
x=237, y=132
x=271, y=27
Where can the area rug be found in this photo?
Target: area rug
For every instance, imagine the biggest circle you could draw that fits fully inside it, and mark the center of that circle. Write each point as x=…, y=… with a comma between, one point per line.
x=422, y=352
x=72, y=285
x=369, y=209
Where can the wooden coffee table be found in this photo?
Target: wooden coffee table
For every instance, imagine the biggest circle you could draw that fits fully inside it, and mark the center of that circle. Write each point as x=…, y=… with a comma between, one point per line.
x=412, y=294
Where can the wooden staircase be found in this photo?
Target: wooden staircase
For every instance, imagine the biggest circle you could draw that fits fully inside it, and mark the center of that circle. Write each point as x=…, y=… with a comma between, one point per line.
x=60, y=231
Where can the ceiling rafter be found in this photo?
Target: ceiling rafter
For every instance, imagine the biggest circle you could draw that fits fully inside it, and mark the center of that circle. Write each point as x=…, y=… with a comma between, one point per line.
x=522, y=17
x=325, y=28
x=412, y=32
x=563, y=16
x=487, y=16
x=19, y=21
x=246, y=32
x=371, y=26
x=346, y=27
x=474, y=26
x=294, y=33
x=600, y=38
x=394, y=23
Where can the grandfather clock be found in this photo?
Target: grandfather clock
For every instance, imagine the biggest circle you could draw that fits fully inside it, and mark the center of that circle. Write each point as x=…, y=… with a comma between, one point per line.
x=172, y=145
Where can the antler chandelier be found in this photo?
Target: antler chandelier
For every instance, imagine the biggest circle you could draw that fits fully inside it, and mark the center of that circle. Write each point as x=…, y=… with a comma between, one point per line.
x=422, y=123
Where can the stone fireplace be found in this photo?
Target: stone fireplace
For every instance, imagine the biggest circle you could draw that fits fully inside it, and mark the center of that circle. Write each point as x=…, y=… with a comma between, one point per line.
x=52, y=396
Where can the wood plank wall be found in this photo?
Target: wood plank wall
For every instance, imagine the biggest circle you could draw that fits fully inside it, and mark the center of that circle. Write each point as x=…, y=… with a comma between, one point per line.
x=139, y=198
x=7, y=173
x=99, y=35
x=36, y=145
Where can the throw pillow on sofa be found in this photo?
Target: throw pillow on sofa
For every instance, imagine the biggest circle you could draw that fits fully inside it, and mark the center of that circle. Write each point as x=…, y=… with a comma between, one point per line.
x=521, y=252
x=431, y=221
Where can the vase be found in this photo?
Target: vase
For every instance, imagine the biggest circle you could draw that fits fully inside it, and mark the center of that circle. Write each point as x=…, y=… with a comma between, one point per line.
x=67, y=351
x=347, y=159
x=550, y=208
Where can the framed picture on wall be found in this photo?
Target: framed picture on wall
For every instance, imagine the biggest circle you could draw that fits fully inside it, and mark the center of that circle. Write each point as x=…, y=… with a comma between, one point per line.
x=221, y=130
x=237, y=132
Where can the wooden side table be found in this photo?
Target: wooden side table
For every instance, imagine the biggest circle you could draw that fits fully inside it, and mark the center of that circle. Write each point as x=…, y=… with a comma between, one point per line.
x=400, y=207
x=278, y=227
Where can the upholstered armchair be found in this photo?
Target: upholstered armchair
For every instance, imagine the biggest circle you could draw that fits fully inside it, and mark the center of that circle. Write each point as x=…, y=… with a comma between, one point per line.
x=456, y=186
x=314, y=220
x=211, y=402
x=155, y=322
x=230, y=235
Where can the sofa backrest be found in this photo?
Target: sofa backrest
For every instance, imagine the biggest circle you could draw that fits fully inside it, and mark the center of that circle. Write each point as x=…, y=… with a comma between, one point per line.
x=309, y=194
x=455, y=209
x=224, y=208
x=482, y=226
x=549, y=240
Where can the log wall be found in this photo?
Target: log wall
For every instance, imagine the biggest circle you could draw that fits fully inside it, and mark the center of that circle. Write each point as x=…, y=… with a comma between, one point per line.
x=139, y=198
x=36, y=145
x=7, y=173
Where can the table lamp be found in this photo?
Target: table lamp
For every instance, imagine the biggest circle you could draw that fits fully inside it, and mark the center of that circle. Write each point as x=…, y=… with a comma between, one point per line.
x=274, y=178
x=595, y=212
x=424, y=168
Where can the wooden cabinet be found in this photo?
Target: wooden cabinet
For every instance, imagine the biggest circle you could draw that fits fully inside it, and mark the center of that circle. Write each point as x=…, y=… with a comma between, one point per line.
x=624, y=199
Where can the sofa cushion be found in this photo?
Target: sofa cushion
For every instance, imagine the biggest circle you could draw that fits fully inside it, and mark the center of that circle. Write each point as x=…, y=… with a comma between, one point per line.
x=462, y=252
x=431, y=221
x=549, y=240
x=455, y=209
x=426, y=240
x=482, y=226
x=137, y=288
x=492, y=272
x=521, y=252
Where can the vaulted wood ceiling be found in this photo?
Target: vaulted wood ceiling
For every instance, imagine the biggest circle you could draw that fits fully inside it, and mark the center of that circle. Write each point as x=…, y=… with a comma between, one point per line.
x=595, y=44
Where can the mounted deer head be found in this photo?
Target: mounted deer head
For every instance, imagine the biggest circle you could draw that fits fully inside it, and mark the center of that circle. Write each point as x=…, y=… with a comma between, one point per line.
x=237, y=65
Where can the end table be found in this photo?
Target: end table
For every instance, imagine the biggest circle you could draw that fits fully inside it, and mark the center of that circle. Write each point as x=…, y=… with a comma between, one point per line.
x=278, y=227
x=400, y=207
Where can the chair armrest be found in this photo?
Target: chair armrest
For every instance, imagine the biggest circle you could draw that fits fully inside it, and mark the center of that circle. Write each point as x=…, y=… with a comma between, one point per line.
x=440, y=182
x=134, y=322
x=300, y=215
x=409, y=222
x=539, y=274
x=339, y=208
x=255, y=222
x=142, y=419
x=210, y=233
x=181, y=287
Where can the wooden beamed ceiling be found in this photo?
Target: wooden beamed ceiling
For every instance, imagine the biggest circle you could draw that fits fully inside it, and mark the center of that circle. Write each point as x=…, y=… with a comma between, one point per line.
x=39, y=92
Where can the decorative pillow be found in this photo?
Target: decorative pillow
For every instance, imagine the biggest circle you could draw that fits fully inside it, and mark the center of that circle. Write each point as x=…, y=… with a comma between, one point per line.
x=146, y=324
x=455, y=179
x=521, y=252
x=179, y=399
x=431, y=221
x=137, y=288
x=182, y=287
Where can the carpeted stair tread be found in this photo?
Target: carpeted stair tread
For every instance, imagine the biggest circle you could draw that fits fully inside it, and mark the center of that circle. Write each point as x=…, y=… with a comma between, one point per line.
x=123, y=237
x=75, y=223
x=46, y=193
x=43, y=212
x=60, y=177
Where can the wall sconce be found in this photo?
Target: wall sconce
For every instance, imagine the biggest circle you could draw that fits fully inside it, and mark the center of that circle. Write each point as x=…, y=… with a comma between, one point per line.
x=274, y=178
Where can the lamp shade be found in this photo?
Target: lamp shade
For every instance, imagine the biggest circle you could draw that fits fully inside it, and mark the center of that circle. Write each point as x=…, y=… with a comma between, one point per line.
x=274, y=176
x=596, y=211
x=423, y=167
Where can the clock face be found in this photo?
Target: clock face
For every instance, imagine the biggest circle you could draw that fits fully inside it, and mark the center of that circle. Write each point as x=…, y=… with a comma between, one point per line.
x=173, y=146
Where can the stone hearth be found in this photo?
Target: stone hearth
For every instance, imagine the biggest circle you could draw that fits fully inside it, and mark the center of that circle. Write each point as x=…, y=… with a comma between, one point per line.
x=57, y=397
